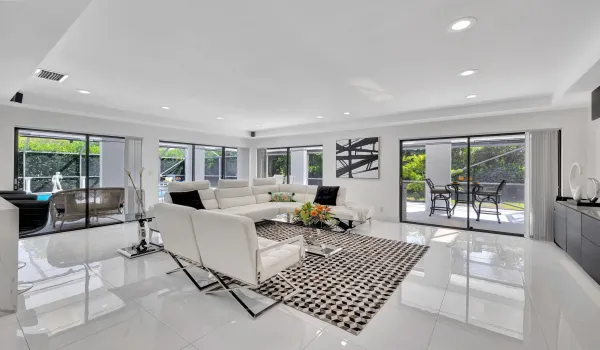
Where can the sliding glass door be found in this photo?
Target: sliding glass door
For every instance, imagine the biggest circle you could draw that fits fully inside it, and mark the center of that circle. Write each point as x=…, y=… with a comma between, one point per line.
x=293, y=165
x=189, y=162
x=469, y=182
x=498, y=172
x=174, y=164
x=81, y=177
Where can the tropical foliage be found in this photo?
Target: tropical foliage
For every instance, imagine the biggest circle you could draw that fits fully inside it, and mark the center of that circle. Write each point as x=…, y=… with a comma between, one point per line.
x=36, y=144
x=488, y=164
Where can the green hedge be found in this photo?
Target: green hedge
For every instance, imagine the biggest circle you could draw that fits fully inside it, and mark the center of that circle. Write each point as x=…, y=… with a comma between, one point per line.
x=36, y=144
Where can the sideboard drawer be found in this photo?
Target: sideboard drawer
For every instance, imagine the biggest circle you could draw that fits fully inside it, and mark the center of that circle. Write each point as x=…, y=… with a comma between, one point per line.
x=590, y=229
x=590, y=258
x=560, y=225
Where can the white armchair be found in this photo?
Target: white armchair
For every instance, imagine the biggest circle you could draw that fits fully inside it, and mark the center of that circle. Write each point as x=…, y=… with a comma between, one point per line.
x=177, y=232
x=229, y=245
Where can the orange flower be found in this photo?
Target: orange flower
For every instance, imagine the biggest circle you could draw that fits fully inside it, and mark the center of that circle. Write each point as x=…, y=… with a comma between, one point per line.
x=327, y=209
x=313, y=213
x=296, y=211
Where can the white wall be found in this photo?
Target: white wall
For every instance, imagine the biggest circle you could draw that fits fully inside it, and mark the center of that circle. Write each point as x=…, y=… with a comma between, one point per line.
x=16, y=115
x=592, y=147
x=112, y=163
x=383, y=193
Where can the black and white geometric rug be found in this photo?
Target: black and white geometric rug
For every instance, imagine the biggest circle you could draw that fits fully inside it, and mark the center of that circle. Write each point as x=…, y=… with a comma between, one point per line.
x=348, y=288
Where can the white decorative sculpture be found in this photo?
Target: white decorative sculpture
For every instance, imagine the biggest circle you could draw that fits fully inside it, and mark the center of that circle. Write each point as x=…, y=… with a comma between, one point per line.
x=56, y=186
x=593, y=190
x=575, y=181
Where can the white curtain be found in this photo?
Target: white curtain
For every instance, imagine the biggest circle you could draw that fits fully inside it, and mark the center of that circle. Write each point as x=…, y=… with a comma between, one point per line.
x=261, y=162
x=541, y=177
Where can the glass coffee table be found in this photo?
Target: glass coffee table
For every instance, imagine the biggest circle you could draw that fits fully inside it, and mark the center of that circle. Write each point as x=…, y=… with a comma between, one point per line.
x=313, y=246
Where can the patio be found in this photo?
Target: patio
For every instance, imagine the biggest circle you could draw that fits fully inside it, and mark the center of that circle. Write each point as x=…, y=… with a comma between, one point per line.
x=512, y=221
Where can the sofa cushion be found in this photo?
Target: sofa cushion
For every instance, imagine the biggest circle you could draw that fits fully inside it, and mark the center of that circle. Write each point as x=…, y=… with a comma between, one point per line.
x=277, y=259
x=234, y=197
x=207, y=194
x=224, y=183
x=189, y=199
x=298, y=190
x=187, y=186
x=282, y=197
x=264, y=181
x=288, y=207
x=261, y=193
x=341, y=197
x=343, y=213
x=208, y=199
x=256, y=212
x=327, y=195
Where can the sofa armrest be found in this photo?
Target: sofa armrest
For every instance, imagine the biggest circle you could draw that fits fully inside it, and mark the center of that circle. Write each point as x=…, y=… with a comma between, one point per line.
x=295, y=239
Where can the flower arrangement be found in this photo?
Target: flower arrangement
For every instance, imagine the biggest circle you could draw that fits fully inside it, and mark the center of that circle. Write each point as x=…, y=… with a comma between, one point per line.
x=315, y=215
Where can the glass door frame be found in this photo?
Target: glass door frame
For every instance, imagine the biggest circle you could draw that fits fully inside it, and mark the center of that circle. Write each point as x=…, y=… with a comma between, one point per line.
x=87, y=136
x=468, y=137
x=288, y=155
x=193, y=156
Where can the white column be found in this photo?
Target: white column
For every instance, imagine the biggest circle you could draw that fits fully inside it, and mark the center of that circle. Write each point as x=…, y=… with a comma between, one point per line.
x=438, y=165
x=252, y=164
x=188, y=163
x=199, y=163
x=112, y=163
x=9, y=238
x=243, y=164
x=299, y=167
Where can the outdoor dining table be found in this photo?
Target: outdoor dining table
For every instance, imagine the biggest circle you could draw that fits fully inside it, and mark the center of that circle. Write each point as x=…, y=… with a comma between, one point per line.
x=458, y=189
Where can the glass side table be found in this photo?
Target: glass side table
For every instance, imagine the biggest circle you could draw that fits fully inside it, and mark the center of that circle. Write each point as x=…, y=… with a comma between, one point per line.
x=142, y=246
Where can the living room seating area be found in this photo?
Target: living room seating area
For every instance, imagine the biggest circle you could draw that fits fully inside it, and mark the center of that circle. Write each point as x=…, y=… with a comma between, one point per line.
x=239, y=198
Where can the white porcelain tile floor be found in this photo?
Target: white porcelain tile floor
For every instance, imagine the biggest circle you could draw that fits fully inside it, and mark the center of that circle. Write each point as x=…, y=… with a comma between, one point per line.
x=471, y=290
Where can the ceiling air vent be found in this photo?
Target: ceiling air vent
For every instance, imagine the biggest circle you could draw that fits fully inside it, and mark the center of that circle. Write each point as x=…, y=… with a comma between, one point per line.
x=49, y=75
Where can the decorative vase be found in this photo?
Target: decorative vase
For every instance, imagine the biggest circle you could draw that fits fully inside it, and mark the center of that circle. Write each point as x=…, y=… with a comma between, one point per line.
x=140, y=203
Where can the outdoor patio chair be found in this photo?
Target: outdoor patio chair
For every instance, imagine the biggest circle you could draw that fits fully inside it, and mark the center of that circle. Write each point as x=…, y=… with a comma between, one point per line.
x=439, y=193
x=481, y=195
x=70, y=205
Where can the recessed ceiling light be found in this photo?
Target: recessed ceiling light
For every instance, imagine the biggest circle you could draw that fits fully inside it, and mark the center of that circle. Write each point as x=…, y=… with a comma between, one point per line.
x=346, y=113
x=471, y=96
x=319, y=117
x=462, y=24
x=257, y=125
x=466, y=73
x=85, y=92
x=220, y=118
x=165, y=107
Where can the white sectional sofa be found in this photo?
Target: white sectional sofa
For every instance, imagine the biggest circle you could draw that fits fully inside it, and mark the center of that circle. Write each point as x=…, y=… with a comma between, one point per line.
x=239, y=198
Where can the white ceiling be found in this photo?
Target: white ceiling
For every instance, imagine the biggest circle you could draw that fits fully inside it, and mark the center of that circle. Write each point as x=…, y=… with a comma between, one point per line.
x=279, y=63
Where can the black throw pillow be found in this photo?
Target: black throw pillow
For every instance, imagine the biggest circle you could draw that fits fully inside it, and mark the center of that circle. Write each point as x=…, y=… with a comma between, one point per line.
x=326, y=195
x=189, y=199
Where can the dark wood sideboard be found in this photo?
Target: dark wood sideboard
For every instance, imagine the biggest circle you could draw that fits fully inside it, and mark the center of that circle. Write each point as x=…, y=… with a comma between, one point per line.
x=577, y=231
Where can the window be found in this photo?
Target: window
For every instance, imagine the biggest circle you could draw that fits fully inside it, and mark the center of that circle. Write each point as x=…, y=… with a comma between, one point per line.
x=478, y=182
x=294, y=165
x=175, y=165
x=188, y=162
x=82, y=169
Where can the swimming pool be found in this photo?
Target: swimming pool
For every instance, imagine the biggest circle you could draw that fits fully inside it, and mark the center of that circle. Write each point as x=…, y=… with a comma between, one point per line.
x=43, y=196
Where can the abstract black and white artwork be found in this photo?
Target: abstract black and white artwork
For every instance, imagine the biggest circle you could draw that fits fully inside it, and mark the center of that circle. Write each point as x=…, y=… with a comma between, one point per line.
x=357, y=158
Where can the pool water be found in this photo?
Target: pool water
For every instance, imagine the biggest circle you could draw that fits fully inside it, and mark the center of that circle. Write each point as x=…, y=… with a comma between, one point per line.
x=43, y=196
